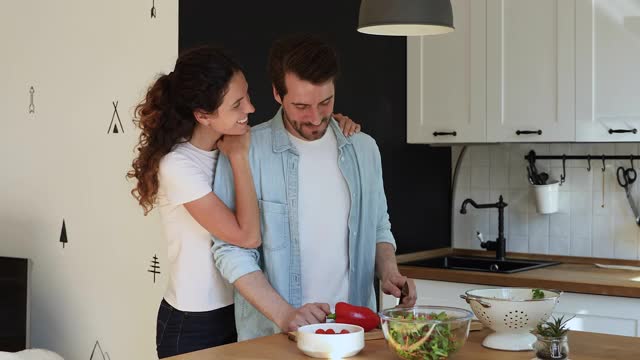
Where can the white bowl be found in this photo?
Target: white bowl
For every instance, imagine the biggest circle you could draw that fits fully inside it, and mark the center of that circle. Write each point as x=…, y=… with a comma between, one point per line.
x=328, y=346
x=512, y=314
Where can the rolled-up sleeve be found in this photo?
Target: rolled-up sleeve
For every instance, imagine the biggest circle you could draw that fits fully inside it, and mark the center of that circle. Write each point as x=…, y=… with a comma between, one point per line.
x=383, y=226
x=232, y=261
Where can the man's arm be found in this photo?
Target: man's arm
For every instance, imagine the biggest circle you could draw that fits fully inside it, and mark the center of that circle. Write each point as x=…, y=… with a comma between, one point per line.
x=391, y=281
x=256, y=289
x=240, y=267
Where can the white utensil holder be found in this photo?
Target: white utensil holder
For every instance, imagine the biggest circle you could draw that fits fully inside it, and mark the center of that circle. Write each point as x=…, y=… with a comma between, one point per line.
x=547, y=197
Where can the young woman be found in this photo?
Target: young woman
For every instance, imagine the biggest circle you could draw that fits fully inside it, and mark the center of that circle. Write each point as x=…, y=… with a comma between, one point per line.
x=186, y=118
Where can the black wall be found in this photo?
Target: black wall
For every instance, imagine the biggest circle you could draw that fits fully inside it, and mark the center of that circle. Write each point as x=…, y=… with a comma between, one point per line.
x=371, y=90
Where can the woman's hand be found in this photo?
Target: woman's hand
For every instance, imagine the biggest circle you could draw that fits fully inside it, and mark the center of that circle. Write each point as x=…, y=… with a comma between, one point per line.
x=348, y=126
x=235, y=145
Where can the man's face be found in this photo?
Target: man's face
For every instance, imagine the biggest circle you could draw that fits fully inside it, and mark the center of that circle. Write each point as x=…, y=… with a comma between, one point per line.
x=307, y=107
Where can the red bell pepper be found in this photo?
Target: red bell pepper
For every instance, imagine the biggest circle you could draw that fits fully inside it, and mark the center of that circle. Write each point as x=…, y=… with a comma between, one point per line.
x=355, y=315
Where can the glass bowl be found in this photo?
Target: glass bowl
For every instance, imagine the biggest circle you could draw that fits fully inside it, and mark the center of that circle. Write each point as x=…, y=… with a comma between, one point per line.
x=425, y=332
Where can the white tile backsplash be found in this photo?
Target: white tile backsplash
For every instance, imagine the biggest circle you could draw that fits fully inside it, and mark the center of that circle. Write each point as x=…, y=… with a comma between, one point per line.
x=603, y=237
x=559, y=225
x=581, y=227
x=539, y=245
x=538, y=227
x=581, y=202
x=559, y=245
x=480, y=156
x=499, y=157
x=498, y=178
x=626, y=238
x=581, y=246
x=480, y=177
x=518, y=244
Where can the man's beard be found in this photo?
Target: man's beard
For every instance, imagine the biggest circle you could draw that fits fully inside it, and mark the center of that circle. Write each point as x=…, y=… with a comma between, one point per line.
x=298, y=126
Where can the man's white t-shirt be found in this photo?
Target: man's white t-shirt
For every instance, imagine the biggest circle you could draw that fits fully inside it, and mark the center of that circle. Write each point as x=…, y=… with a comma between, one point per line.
x=323, y=213
x=186, y=174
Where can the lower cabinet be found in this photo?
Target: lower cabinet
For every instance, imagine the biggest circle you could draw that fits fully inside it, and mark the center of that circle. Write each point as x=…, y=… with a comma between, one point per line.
x=593, y=313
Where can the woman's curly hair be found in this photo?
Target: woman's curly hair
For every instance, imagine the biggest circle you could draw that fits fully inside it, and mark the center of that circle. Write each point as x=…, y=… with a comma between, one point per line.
x=165, y=116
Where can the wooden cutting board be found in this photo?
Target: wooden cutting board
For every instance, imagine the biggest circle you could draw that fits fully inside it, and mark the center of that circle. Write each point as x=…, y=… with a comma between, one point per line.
x=377, y=334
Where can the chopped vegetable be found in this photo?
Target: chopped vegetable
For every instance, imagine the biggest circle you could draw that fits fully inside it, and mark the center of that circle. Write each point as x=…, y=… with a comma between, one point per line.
x=355, y=315
x=537, y=294
x=424, y=341
x=331, y=331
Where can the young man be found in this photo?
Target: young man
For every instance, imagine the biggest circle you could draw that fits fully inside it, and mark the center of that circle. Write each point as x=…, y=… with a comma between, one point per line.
x=325, y=227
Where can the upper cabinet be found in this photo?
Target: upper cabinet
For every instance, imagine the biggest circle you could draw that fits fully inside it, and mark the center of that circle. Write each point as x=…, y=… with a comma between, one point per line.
x=608, y=70
x=528, y=71
x=446, y=94
x=530, y=61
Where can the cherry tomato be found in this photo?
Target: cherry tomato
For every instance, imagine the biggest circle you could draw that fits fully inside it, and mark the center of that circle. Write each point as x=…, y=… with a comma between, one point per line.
x=344, y=331
x=320, y=331
x=330, y=331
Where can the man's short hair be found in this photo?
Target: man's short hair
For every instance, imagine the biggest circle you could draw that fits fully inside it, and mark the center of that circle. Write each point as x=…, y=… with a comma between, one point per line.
x=308, y=57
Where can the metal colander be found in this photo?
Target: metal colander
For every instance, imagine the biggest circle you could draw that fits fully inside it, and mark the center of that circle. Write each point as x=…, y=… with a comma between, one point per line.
x=512, y=313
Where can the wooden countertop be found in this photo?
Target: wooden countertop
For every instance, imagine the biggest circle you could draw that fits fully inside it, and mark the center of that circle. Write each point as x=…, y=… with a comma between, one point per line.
x=583, y=346
x=578, y=275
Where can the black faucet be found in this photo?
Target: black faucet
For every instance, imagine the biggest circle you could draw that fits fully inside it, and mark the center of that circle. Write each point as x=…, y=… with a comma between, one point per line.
x=501, y=243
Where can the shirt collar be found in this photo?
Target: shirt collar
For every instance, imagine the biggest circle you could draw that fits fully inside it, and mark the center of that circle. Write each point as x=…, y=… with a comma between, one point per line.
x=281, y=141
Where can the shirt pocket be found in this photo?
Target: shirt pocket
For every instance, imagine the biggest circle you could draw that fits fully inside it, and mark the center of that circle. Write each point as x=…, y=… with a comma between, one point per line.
x=274, y=225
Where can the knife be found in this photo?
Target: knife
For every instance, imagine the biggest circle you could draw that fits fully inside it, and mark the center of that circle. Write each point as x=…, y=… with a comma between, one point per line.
x=404, y=292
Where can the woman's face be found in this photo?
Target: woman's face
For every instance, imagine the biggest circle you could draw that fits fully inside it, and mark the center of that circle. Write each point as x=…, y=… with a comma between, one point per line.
x=231, y=117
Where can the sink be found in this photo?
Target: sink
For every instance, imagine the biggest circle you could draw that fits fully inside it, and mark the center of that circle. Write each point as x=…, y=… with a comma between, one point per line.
x=481, y=264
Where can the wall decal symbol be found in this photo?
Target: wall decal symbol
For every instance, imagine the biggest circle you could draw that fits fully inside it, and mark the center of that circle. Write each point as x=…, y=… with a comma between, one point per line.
x=99, y=355
x=153, y=9
x=32, y=107
x=113, y=126
x=154, y=267
x=63, y=234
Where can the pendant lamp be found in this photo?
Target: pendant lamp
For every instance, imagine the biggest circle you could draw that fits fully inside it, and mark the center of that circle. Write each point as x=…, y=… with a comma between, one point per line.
x=405, y=17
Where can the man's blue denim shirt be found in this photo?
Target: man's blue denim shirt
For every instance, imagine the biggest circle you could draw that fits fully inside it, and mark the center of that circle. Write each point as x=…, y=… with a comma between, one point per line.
x=274, y=165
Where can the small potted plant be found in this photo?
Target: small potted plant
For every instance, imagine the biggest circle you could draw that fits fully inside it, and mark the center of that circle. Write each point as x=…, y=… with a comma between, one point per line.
x=552, y=341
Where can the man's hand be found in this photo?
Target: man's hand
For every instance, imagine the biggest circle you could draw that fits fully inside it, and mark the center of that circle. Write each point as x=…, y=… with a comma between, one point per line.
x=392, y=283
x=312, y=313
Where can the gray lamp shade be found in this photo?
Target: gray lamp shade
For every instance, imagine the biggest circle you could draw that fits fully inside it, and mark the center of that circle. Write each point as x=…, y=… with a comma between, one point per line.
x=405, y=17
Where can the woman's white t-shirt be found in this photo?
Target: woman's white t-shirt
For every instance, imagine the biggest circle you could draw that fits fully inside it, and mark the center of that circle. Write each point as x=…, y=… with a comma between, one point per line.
x=195, y=284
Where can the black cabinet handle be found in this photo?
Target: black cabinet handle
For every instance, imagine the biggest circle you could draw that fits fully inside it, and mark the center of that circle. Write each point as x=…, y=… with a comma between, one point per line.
x=528, y=132
x=439, y=133
x=622, y=131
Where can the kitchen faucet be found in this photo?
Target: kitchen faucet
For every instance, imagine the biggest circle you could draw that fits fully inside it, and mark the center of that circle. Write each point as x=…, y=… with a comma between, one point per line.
x=500, y=244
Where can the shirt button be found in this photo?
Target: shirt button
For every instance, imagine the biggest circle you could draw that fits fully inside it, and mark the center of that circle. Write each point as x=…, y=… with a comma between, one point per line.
x=342, y=158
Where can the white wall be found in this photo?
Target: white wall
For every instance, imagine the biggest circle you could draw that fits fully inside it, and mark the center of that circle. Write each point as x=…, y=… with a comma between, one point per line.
x=59, y=162
x=582, y=227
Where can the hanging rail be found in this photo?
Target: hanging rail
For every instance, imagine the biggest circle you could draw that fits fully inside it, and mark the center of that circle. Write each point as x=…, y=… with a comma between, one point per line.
x=532, y=156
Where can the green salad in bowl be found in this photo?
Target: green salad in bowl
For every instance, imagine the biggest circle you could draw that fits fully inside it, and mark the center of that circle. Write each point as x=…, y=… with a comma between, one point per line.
x=425, y=332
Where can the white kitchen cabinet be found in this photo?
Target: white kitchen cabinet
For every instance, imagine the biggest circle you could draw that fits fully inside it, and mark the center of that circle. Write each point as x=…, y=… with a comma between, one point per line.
x=530, y=70
x=607, y=70
x=446, y=94
x=593, y=313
